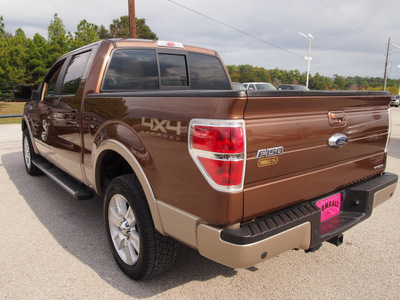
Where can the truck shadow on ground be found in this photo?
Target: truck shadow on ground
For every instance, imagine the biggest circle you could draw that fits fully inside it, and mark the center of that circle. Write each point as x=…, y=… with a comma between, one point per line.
x=394, y=148
x=78, y=227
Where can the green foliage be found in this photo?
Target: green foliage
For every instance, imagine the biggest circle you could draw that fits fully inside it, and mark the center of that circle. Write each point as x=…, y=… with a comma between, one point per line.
x=103, y=32
x=12, y=62
x=86, y=33
x=120, y=29
x=143, y=31
x=2, y=31
x=36, y=59
x=57, y=40
x=248, y=73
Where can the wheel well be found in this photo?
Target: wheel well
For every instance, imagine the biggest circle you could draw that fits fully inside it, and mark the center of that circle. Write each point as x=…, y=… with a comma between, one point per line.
x=112, y=166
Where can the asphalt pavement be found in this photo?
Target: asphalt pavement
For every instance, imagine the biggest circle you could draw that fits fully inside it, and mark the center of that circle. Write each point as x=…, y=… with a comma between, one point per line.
x=54, y=247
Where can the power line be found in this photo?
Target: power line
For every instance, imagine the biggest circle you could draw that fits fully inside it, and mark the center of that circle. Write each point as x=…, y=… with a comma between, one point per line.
x=234, y=28
x=251, y=36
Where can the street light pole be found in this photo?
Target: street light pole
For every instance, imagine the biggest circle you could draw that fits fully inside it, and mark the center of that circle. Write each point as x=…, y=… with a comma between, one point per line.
x=397, y=46
x=309, y=37
x=386, y=66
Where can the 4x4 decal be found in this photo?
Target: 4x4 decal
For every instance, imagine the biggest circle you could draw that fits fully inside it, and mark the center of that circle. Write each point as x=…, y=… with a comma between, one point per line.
x=162, y=128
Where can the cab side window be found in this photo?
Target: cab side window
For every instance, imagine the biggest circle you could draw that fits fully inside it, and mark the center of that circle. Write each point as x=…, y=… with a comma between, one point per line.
x=131, y=69
x=74, y=73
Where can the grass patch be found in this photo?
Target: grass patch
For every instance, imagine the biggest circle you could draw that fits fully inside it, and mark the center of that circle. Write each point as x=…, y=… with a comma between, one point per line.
x=11, y=108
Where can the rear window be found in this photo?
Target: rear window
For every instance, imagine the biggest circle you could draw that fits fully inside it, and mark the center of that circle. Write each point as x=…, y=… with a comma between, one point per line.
x=138, y=69
x=173, y=70
x=132, y=69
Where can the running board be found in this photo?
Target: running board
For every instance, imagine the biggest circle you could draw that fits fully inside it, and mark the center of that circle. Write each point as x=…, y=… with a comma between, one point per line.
x=67, y=182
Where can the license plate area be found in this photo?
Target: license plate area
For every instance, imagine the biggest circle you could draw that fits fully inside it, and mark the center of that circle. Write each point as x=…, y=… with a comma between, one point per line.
x=329, y=206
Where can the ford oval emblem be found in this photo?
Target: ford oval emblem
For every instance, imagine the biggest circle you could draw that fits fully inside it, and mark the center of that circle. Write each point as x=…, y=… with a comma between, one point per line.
x=338, y=140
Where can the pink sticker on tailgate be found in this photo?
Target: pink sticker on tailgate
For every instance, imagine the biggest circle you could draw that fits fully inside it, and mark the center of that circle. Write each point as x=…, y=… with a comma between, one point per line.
x=330, y=206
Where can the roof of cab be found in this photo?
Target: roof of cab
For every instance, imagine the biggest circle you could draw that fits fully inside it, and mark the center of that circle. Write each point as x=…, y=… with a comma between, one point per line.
x=158, y=44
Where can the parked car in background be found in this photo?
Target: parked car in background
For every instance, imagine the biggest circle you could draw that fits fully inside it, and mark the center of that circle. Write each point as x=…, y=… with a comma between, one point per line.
x=238, y=86
x=292, y=87
x=395, y=100
x=259, y=86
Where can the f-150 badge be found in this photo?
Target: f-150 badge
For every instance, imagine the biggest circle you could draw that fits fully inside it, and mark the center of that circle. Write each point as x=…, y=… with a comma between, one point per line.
x=269, y=152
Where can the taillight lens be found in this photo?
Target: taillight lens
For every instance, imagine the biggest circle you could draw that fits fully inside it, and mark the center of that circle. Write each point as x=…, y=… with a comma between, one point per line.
x=218, y=139
x=218, y=149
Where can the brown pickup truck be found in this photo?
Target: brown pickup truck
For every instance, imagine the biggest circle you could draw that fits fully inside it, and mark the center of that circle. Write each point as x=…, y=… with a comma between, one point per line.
x=178, y=155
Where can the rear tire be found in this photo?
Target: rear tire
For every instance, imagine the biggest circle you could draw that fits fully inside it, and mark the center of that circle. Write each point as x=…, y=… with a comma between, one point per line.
x=139, y=250
x=29, y=154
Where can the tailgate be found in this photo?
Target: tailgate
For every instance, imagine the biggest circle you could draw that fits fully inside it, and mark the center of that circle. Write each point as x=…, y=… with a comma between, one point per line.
x=290, y=132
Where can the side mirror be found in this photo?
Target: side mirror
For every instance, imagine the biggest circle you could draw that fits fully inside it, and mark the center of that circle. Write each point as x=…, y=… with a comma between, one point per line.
x=22, y=93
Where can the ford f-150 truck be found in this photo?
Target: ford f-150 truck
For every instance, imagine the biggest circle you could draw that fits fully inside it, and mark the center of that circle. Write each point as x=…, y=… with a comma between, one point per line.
x=156, y=129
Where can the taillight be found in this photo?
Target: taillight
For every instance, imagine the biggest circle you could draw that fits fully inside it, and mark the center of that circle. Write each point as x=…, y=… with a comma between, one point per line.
x=218, y=148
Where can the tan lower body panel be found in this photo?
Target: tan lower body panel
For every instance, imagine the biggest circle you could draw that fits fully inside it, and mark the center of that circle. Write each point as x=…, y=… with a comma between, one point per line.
x=211, y=246
x=384, y=194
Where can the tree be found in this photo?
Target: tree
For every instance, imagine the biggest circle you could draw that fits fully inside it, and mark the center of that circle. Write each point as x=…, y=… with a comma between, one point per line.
x=86, y=33
x=57, y=39
x=120, y=29
x=2, y=31
x=143, y=31
x=234, y=73
x=12, y=62
x=36, y=59
x=339, y=83
x=103, y=32
x=262, y=74
x=318, y=82
x=247, y=74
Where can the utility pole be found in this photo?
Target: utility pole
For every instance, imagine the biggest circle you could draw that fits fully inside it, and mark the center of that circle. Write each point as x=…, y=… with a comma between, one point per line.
x=386, y=66
x=132, y=19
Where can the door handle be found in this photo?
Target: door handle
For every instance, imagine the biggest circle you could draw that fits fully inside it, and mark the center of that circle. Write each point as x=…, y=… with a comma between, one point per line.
x=337, y=118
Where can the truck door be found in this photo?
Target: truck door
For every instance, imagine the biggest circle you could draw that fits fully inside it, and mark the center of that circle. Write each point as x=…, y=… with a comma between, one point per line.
x=40, y=112
x=65, y=117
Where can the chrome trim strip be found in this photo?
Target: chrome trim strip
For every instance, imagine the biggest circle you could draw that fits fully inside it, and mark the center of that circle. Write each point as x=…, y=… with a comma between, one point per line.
x=219, y=156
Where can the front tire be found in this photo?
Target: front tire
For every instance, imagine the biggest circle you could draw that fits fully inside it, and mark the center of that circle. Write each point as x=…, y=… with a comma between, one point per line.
x=139, y=250
x=29, y=154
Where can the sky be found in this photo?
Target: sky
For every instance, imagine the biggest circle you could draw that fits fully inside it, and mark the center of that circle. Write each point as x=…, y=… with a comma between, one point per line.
x=350, y=38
